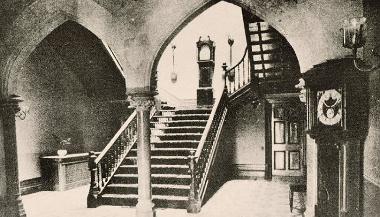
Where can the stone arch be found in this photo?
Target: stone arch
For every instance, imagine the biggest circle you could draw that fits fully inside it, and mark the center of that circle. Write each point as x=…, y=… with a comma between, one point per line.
x=197, y=11
x=31, y=26
x=311, y=30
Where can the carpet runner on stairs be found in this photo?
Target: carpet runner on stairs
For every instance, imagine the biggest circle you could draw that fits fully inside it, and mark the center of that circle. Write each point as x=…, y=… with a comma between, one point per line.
x=175, y=133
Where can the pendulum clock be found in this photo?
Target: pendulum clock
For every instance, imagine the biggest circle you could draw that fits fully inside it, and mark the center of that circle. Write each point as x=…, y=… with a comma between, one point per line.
x=337, y=117
x=206, y=63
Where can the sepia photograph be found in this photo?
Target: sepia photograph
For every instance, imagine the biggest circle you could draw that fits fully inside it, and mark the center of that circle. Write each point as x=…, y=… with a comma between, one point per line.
x=190, y=108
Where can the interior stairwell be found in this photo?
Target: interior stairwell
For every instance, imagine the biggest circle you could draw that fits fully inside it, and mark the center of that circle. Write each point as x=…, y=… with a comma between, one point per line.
x=185, y=142
x=175, y=134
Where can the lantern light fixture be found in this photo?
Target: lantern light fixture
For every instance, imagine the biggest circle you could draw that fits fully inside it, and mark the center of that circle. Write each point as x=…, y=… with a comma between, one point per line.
x=354, y=37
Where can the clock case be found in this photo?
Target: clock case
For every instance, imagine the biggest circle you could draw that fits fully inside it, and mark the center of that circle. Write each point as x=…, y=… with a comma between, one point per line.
x=205, y=96
x=341, y=75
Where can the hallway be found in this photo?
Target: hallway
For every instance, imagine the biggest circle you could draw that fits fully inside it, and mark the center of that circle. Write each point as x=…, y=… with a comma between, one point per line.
x=240, y=198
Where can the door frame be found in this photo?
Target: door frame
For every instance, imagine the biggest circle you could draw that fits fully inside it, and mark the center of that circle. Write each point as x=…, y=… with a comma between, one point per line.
x=271, y=99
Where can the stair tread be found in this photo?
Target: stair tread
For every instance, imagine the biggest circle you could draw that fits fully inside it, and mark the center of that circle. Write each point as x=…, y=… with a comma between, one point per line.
x=169, y=149
x=175, y=141
x=178, y=134
x=162, y=157
x=159, y=166
x=135, y=196
x=153, y=185
x=187, y=109
x=176, y=121
x=182, y=176
x=180, y=115
x=181, y=127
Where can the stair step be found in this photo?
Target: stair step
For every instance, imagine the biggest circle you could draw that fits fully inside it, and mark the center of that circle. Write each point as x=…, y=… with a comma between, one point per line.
x=157, y=189
x=178, y=176
x=185, y=187
x=180, y=134
x=182, y=127
x=161, y=157
x=193, y=144
x=181, y=115
x=156, y=169
x=158, y=166
x=132, y=196
x=161, y=201
x=178, y=160
x=176, y=141
x=168, y=150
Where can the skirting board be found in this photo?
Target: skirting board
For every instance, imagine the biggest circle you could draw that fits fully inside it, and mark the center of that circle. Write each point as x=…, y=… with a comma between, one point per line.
x=31, y=185
x=249, y=170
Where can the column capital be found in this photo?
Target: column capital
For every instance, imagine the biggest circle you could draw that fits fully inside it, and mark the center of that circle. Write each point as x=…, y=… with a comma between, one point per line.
x=141, y=101
x=11, y=104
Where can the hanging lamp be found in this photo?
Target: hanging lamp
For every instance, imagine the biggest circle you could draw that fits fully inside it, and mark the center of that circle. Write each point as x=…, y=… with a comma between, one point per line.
x=173, y=74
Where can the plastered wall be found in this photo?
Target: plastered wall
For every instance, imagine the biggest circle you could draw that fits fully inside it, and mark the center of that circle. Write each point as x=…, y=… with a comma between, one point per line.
x=58, y=105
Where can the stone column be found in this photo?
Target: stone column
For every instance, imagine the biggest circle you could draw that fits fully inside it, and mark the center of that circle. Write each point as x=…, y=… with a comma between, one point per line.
x=143, y=103
x=13, y=204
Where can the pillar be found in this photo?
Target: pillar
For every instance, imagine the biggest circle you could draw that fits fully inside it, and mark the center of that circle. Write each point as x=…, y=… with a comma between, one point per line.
x=13, y=204
x=143, y=103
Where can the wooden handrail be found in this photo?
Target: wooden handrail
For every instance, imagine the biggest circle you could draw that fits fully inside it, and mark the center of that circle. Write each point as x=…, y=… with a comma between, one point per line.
x=240, y=61
x=115, y=137
x=239, y=75
x=207, y=127
x=200, y=162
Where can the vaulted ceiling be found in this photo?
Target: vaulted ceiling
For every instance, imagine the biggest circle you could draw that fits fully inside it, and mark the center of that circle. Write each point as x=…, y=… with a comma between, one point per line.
x=88, y=59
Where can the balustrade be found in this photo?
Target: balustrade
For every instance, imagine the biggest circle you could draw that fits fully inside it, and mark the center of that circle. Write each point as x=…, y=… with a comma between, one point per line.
x=104, y=166
x=239, y=75
x=200, y=162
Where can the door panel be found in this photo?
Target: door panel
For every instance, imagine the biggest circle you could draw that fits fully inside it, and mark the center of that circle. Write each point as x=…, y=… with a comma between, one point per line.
x=287, y=131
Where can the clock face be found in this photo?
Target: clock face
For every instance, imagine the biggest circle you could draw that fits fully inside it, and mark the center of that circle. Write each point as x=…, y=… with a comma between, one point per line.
x=205, y=53
x=329, y=111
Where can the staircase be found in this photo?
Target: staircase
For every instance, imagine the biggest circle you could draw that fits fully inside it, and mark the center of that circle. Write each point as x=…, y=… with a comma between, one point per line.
x=175, y=135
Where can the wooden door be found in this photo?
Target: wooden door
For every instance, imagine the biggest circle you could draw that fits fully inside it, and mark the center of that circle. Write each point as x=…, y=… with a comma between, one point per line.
x=287, y=129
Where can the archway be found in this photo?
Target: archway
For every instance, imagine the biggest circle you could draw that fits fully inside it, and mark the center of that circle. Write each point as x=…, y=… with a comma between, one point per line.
x=249, y=129
x=70, y=84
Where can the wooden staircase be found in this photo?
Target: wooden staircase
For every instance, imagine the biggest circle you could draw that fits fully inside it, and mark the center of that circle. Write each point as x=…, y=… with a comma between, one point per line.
x=175, y=135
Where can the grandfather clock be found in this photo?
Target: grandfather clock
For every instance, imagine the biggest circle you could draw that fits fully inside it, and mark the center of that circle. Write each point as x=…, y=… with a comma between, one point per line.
x=206, y=63
x=337, y=107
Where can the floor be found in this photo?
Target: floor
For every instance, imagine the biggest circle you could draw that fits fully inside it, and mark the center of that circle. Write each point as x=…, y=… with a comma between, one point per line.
x=240, y=198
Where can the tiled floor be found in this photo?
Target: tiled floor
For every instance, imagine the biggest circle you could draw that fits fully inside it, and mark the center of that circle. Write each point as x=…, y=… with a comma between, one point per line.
x=237, y=198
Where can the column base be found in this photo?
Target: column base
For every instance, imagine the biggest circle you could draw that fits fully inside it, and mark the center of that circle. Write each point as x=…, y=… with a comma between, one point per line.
x=13, y=208
x=145, y=209
x=194, y=206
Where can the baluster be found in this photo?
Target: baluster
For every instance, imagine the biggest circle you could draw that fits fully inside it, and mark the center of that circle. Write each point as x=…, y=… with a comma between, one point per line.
x=99, y=176
x=94, y=190
x=249, y=71
x=238, y=77
x=194, y=200
x=243, y=72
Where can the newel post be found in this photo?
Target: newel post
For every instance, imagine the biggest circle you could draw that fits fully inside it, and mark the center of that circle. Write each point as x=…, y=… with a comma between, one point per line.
x=93, y=192
x=224, y=67
x=194, y=203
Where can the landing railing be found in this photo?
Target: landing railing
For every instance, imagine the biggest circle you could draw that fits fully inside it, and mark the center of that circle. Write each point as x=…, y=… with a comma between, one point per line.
x=239, y=75
x=104, y=166
x=201, y=161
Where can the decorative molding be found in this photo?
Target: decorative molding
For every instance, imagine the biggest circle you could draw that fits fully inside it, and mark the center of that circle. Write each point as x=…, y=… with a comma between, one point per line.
x=372, y=180
x=249, y=170
x=141, y=102
x=31, y=185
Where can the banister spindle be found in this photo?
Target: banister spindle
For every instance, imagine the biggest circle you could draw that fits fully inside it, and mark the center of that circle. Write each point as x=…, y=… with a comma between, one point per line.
x=194, y=205
x=93, y=192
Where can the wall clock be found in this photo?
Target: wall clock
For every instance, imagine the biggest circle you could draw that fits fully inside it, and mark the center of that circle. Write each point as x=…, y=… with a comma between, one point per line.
x=329, y=110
